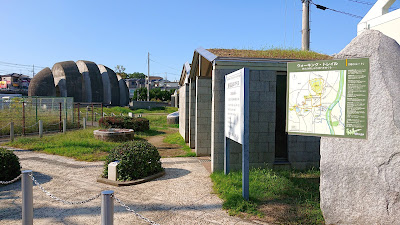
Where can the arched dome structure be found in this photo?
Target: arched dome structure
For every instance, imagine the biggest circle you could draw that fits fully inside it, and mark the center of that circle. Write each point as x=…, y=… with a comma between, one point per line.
x=85, y=81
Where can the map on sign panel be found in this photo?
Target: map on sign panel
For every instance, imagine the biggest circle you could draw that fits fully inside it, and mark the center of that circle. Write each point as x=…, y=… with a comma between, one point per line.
x=317, y=102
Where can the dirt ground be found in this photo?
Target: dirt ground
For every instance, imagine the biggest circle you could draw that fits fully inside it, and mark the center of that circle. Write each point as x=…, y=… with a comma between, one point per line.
x=166, y=150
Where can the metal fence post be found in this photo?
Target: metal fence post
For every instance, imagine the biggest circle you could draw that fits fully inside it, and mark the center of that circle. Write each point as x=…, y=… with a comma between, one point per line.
x=64, y=126
x=59, y=123
x=107, y=208
x=36, y=110
x=79, y=117
x=23, y=117
x=12, y=131
x=40, y=128
x=92, y=114
x=84, y=122
x=27, y=198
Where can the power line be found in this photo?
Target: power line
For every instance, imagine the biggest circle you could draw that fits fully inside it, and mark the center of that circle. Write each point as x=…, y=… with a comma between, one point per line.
x=334, y=10
x=361, y=2
x=369, y=3
x=164, y=65
x=20, y=65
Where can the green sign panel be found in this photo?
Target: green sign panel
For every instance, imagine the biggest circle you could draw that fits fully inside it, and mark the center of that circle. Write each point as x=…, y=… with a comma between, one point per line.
x=328, y=98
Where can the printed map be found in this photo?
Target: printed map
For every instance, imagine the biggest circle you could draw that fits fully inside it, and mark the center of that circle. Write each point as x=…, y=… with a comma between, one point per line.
x=317, y=102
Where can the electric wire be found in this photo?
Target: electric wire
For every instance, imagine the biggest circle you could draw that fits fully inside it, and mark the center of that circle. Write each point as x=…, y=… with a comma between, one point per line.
x=334, y=10
x=21, y=65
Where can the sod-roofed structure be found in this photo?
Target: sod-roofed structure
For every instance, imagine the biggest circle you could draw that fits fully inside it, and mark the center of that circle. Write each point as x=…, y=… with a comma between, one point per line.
x=202, y=102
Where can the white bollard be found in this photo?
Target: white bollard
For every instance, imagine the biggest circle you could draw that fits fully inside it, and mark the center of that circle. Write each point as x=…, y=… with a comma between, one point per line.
x=84, y=122
x=64, y=126
x=112, y=170
x=12, y=131
x=130, y=114
x=40, y=128
x=107, y=207
x=27, y=198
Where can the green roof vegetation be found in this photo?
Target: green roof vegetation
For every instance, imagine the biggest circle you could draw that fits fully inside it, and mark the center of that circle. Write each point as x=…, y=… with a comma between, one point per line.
x=274, y=53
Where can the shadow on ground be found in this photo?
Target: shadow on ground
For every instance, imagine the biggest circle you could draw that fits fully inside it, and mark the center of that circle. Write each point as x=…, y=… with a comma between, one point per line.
x=173, y=173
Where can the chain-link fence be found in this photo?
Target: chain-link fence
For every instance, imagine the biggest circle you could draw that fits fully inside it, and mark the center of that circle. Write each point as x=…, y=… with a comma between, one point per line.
x=91, y=111
x=26, y=112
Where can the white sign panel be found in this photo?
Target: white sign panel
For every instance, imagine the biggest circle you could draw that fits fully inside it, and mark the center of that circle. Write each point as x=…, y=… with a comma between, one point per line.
x=234, y=105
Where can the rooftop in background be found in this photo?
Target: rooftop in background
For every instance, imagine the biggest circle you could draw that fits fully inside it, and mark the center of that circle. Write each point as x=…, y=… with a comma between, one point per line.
x=269, y=54
x=15, y=75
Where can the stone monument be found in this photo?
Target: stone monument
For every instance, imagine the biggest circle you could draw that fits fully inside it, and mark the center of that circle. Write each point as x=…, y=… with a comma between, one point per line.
x=111, y=86
x=92, y=85
x=68, y=80
x=360, y=179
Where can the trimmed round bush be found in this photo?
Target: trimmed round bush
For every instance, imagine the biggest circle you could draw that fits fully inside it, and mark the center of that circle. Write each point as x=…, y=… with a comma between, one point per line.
x=9, y=165
x=137, y=159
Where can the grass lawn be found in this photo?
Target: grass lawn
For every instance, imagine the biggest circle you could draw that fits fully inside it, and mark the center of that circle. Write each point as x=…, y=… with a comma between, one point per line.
x=167, y=110
x=176, y=138
x=79, y=144
x=82, y=145
x=278, y=197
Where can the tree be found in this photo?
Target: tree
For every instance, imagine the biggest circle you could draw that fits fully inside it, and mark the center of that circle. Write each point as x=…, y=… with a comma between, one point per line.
x=136, y=75
x=140, y=94
x=120, y=70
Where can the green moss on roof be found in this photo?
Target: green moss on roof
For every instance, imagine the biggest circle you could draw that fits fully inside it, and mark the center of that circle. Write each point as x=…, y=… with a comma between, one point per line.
x=269, y=54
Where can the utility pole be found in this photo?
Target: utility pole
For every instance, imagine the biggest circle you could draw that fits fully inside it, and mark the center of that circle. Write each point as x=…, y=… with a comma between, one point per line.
x=148, y=76
x=33, y=71
x=305, y=32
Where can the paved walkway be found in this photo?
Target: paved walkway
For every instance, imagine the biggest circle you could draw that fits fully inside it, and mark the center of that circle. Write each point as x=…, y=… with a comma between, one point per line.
x=182, y=196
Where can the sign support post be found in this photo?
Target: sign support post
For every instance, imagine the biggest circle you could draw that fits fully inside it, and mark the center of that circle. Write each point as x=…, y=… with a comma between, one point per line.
x=245, y=144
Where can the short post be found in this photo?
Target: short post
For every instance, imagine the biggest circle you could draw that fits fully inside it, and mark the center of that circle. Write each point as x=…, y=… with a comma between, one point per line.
x=59, y=122
x=12, y=131
x=92, y=114
x=64, y=126
x=27, y=198
x=107, y=207
x=87, y=114
x=84, y=122
x=23, y=118
x=102, y=110
x=79, y=117
x=40, y=128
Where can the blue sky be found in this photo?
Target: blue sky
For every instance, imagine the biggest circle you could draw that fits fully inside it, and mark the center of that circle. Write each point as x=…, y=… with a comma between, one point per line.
x=122, y=32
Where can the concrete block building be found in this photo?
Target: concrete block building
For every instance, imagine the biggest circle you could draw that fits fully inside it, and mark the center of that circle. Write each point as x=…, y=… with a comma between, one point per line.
x=201, y=111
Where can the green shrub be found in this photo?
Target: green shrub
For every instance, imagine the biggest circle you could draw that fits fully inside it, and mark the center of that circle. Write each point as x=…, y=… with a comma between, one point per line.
x=126, y=122
x=137, y=159
x=9, y=165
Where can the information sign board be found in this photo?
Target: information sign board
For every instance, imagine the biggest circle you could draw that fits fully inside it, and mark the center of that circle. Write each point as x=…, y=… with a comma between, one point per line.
x=237, y=121
x=328, y=98
x=234, y=106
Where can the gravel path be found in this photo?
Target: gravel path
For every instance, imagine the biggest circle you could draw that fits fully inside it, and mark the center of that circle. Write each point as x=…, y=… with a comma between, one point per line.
x=182, y=196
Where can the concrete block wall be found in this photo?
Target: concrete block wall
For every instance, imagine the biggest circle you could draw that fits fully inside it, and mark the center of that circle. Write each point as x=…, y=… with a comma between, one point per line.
x=262, y=111
x=192, y=113
x=203, y=116
x=304, y=151
x=262, y=121
x=217, y=118
x=184, y=112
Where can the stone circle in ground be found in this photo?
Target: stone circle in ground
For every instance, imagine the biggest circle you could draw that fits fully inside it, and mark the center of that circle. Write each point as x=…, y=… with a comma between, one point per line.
x=114, y=134
x=360, y=179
